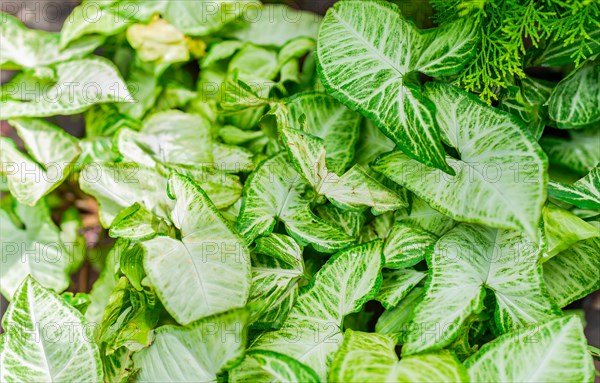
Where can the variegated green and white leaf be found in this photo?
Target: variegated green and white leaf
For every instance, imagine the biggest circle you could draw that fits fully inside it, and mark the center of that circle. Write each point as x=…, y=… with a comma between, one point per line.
x=584, y=193
x=397, y=285
x=33, y=247
x=79, y=84
x=555, y=351
x=351, y=221
x=366, y=53
x=322, y=116
x=406, y=245
x=563, y=229
x=194, y=353
x=158, y=142
x=277, y=268
x=468, y=260
x=371, y=143
x=367, y=357
x=192, y=268
x=31, y=177
x=573, y=106
x=560, y=52
x=272, y=366
x=274, y=192
x=578, y=153
x=136, y=223
x=312, y=332
x=354, y=190
x=424, y=216
x=46, y=340
x=24, y=48
x=573, y=273
x=501, y=171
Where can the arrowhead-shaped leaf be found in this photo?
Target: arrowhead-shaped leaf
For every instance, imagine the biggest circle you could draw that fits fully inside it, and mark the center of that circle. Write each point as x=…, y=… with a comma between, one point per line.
x=46, y=340
x=501, y=171
x=468, y=260
x=368, y=357
x=584, y=193
x=78, y=84
x=192, y=269
x=52, y=157
x=555, y=351
x=366, y=54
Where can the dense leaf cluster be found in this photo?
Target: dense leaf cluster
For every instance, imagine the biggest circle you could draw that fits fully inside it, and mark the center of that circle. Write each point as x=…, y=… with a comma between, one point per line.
x=271, y=195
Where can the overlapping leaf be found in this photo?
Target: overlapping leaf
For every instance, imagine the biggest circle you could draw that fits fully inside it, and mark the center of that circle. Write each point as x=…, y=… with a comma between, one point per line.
x=367, y=54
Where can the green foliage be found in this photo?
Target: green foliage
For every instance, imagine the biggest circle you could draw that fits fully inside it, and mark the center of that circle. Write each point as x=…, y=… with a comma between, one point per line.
x=301, y=198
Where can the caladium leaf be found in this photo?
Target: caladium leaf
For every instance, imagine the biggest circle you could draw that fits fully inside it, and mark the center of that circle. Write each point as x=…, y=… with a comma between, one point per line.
x=351, y=221
x=406, y=245
x=578, y=153
x=157, y=142
x=46, y=340
x=85, y=20
x=466, y=261
x=367, y=357
x=572, y=106
x=33, y=247
x=24, y=48
x=563, y=229
x=207, y=250
x=274, y=191
x=79, y=84
x=277, y=268
x=584, y=193
x=117, y=186
x=276, y=25
x=322, y=116
x=398, y=284
x=552, y=351
x=368, y=68
x=573, y=273
x=354, y=190
x=272, y=366
x=197, y=352
x=312, y=332
x=504, y=179
x=32, y=177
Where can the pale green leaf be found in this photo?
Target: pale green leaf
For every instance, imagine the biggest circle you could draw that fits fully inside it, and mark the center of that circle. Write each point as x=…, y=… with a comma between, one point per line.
x=351, y=221
x=368, y=357
x=79, y=84
x=406, y=245
x=573, y=273
x=52, y=155
x=584, y=193
x=46, y=340
x=573, y=106
x=322, y=116
x=371, y=143
x=397, y=285
x=424, y=216
x=274, y=192
x=88, y=19
x=136, y=223
x=563, y=229
x=33, y=248
x=274, y=25
x=468, y=260
x=500, y=177
x=366, y=53
x=272, y=366
x=395, y=322
x=192, y=268
x=578, y=153
x=554, y=351
x=312, y=332
x=194, y=353
x=30, y=48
